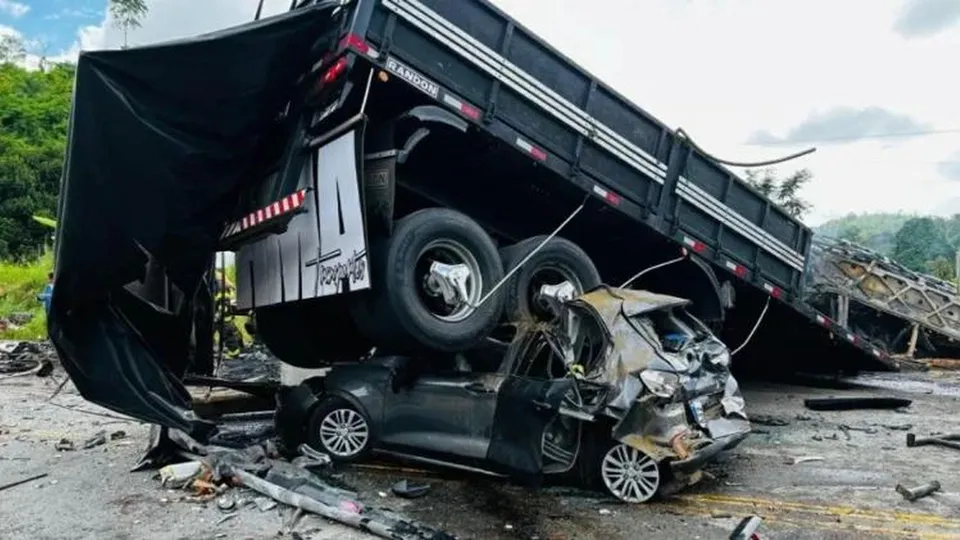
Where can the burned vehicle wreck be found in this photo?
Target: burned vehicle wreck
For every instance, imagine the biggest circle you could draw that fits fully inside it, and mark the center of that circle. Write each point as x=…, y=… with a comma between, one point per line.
x=625, y=392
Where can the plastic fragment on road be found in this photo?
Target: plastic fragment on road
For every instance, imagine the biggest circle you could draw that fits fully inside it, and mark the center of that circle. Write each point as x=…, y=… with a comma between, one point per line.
x=180, y=474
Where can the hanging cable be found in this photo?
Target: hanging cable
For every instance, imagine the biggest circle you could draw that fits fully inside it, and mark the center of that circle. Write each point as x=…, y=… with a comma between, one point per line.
x=626, y=283
x=755, y=326
x=683, y=135
x=516, y=268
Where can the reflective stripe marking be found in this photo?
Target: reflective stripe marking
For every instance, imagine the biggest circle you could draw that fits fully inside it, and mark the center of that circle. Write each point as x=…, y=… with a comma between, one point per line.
x=537, y=153
x=607, y=195
x=272, y=210
x=695, y=245
x=737, y=269
x=463, y=108
x=773, y=290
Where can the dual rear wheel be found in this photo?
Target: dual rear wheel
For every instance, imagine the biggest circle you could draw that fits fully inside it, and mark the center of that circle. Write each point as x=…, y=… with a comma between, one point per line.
x=432, y=291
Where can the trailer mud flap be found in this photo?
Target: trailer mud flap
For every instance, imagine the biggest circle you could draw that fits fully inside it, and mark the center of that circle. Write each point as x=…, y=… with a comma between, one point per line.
x=525, y=410
x=323, y=251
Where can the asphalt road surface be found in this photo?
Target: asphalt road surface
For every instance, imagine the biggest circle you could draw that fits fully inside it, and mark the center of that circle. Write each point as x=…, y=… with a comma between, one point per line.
x=847, y=493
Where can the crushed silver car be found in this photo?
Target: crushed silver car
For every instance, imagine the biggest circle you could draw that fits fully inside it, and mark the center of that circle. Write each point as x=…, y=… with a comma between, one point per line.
x=625, y=391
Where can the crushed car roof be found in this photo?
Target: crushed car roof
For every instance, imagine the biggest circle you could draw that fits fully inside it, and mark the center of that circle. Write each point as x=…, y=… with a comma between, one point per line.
x=610, y=302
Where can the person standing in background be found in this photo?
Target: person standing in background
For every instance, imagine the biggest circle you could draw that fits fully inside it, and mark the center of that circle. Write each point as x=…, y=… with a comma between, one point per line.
x=46, y=294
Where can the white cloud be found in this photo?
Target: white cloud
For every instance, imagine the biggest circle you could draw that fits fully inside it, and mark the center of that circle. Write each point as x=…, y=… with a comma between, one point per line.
x=13, y=8
x=726, y=70
x=174, y=19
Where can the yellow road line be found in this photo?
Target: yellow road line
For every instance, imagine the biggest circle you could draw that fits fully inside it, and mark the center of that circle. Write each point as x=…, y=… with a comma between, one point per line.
x=829, y=510
x=827, y=526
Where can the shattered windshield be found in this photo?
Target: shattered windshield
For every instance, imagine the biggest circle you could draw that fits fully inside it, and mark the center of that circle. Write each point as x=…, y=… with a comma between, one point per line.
x=674, y=327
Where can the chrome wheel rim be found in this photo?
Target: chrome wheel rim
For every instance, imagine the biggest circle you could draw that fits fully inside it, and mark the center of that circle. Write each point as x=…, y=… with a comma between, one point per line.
x=344, y=432
x=630, y=474
x=550, y=275
x=452, y=253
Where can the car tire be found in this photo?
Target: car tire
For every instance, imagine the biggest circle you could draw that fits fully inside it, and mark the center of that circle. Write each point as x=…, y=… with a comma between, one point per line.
x=398, y=313
x=603, y=457
x=559, y=260
x=340, y=430
x=311, y=334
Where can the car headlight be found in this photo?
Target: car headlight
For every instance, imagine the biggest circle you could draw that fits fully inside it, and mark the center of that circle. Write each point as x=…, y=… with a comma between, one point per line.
x=722, y=359
x=660, y=383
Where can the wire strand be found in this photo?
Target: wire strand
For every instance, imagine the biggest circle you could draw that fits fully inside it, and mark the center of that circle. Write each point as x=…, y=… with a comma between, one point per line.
x=683, y=135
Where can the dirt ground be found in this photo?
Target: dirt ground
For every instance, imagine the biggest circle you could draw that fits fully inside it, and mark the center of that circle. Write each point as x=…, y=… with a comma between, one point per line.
x=849, y=493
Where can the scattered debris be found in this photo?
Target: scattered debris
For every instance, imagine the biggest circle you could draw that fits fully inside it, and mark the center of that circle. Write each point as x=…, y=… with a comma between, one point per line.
x=21, y=358
x=804, y=459
x=869, y=430
x=853, y=403
x=912, y=494
x=226, y=503
x=950, y=440
x=214, y=470
x=24, y=481
x=766, y=420
x=409, y=489
x=265, y=504
x=65, y=445
x=747, y=529
x=178, y=475
x=97, y=440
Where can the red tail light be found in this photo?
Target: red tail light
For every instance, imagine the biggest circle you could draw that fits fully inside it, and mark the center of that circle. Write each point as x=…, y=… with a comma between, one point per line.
x=335, y=71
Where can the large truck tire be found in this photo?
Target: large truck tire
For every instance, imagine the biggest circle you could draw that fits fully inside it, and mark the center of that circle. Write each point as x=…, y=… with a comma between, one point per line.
x=311, y=334
x=558, y=261
x=405, y=310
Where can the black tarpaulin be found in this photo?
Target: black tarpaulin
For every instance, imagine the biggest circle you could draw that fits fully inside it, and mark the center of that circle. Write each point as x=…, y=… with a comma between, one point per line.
x=161, y=140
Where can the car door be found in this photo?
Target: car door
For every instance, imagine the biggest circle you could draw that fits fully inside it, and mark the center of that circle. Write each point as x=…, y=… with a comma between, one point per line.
x=445, y=415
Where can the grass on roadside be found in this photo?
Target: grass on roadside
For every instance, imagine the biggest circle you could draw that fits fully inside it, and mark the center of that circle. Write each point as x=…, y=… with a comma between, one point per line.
x=21, y=283
x=19, y=286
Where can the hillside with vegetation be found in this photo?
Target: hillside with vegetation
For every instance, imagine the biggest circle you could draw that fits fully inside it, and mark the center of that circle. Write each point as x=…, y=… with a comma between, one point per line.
x=922, y=243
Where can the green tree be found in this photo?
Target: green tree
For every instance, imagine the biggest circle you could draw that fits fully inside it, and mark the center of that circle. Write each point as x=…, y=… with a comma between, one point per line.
x=783, y=191
x=34, y=108
x=942, y=267
x=919, y=242
x=127, y=15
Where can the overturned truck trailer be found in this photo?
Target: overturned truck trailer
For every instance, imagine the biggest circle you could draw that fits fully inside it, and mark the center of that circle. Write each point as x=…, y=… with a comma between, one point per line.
x=908, y=313
x=399, y=174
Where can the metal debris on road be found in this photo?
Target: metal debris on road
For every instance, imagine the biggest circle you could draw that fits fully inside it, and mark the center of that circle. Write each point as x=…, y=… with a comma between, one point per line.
x=747, y=529
x=409, y=489
x=65, y=445
x=855, y=402
x=804, y=459
x=912, y=494
x=23, y=481
x=97, y=440
x=950, y=440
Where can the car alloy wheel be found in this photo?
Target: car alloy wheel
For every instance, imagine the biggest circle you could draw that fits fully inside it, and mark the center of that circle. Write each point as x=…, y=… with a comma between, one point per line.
x=629, y=474
x=344, y=433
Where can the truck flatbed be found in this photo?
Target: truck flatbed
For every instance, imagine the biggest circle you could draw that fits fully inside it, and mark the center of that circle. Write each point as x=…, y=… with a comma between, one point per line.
x=474, y=59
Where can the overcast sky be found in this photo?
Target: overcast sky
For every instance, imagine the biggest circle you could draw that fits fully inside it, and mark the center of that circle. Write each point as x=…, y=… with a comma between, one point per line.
x=873, y=84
